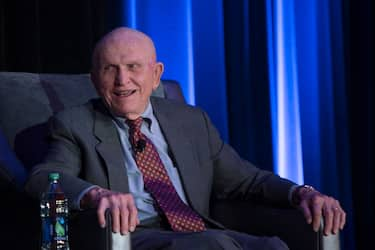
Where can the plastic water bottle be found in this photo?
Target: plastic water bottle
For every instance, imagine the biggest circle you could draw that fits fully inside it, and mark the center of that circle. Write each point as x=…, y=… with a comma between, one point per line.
x=54, y=215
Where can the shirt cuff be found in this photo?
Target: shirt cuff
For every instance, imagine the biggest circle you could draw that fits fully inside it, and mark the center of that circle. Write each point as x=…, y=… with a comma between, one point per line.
x=290, y=194
x=77, y=201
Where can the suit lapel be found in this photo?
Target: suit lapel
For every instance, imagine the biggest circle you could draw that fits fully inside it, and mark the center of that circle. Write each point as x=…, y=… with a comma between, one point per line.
x=181, y=148
x=110, y=149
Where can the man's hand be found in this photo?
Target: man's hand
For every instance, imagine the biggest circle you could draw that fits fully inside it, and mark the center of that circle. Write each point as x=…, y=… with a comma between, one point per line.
x=123, y=210
x=314, y=205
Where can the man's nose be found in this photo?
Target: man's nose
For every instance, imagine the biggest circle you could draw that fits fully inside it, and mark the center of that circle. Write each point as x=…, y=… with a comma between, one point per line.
x=122, y=77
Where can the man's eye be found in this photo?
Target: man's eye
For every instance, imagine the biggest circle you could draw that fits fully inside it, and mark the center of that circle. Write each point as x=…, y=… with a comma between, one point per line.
x=133, y=66
x=109, y=67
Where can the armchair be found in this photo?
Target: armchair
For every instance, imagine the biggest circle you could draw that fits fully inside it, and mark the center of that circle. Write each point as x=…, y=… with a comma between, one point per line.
x=27, y=100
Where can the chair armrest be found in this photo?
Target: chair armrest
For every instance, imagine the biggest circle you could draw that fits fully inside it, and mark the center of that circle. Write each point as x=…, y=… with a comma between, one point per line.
x=331, y=242
x=86, y=234
x=286, y=223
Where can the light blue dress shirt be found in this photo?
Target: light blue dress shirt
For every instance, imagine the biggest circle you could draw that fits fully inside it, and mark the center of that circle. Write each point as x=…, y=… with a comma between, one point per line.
x=151, y=129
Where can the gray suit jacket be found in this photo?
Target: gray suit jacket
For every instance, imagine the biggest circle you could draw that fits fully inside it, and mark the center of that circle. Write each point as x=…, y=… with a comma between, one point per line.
x=86, y=150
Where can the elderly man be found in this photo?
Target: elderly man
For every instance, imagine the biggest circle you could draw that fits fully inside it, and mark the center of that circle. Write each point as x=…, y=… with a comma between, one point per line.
x=155, y=164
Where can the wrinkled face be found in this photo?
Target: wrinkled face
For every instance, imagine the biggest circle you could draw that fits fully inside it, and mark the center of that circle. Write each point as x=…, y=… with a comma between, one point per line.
x=125, y=74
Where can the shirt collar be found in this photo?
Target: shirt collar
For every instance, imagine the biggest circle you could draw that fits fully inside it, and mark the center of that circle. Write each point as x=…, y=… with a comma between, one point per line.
x=147, y=115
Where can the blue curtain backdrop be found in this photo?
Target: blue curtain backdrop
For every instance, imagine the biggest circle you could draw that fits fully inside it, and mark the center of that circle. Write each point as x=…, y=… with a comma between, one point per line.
x=190, y=42
x=273, y=77
x=248, y=88
x=314, y=119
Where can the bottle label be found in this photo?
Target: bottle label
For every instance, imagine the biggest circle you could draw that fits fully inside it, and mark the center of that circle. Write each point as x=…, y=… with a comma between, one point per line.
x=60, y=229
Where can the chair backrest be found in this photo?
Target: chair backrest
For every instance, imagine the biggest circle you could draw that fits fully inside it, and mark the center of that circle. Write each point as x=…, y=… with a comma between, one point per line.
x=27, y=100
x=12, y=172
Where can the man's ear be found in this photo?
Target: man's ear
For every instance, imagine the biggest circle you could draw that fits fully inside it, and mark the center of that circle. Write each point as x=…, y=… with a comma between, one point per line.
x=94, y=78
x=158, y=71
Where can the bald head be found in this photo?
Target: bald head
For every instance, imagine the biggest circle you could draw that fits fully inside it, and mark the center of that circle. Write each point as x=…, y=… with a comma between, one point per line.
x=125, y=71
x=123, y=36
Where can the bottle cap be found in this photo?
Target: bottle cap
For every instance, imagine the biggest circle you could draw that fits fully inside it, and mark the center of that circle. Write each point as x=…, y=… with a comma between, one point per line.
x=53, y=176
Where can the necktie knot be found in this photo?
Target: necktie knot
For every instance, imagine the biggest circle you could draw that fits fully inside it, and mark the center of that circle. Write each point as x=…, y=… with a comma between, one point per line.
x=135, y=125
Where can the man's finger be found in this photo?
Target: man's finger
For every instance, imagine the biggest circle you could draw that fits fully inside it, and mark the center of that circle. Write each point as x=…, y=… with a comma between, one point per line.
x=342, y=220
x=124, y=218
x=328, y=220
x=133, y=218
x=306, y=211
x=336, y=219
x=102, y=207
x=316, y=209
x=115, y=212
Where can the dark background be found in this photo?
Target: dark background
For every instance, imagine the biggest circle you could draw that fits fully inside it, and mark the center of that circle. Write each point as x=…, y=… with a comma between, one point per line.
x=51, y=36
x=58, y=37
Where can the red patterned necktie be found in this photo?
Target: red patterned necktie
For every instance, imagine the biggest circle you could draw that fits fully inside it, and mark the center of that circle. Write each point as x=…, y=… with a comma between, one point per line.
x=180, y=216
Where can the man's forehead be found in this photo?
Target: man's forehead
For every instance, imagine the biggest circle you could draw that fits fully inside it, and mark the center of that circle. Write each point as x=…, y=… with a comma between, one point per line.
x=123, y=57
x=125, y=53
x=125, y=44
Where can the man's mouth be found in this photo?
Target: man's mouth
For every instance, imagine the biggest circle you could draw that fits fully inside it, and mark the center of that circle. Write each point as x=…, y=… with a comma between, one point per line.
x=125, y=93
